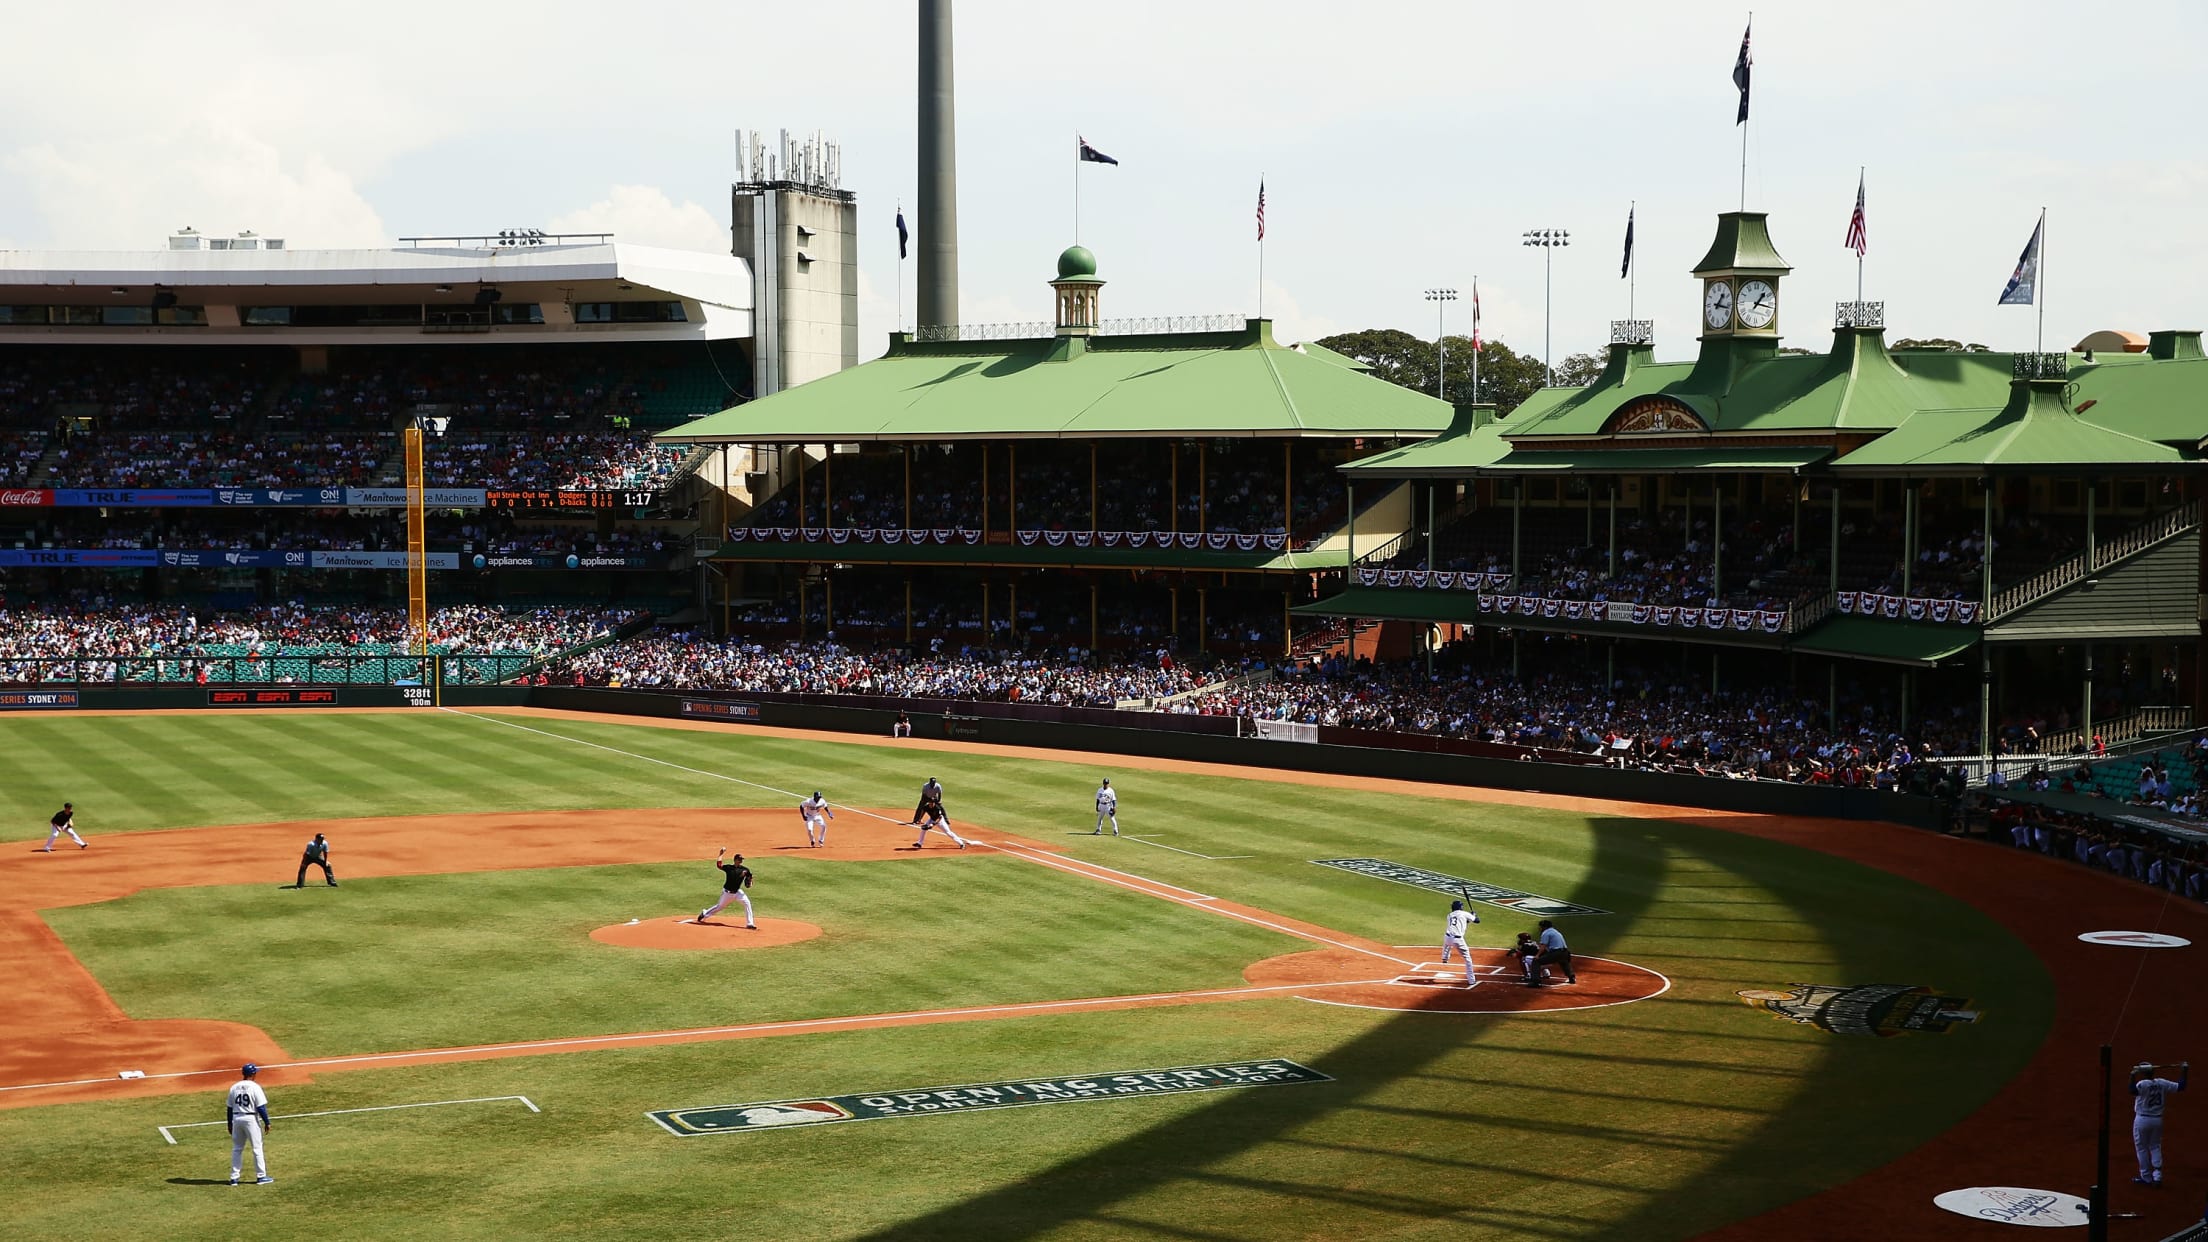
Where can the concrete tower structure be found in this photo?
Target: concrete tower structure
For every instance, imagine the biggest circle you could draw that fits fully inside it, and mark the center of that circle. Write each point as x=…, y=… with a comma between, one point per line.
x=936, y=301
x=797, y=226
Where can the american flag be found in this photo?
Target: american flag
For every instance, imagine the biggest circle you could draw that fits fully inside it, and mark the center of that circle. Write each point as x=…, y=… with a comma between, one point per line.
x=1261, y=209
x=1475, y=316
x=1859, y=238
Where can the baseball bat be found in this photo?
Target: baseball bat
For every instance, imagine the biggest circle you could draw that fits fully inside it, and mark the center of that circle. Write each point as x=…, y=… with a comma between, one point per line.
x=1468, y=903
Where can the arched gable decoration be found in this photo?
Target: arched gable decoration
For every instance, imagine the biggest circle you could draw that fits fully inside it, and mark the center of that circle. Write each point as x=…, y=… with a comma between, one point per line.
x=1646, y=414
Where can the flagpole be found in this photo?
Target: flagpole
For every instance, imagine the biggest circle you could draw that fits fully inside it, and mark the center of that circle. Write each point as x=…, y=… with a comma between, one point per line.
x=1261, y=245
x=2039, y=284
x=1632, y=269
x=1476, y=348
x=1077, y=189
x=1860, y=169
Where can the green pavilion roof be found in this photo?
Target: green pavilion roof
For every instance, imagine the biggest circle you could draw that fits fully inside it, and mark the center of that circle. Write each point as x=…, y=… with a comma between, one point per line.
x=2036, y=430
x=1207, y=384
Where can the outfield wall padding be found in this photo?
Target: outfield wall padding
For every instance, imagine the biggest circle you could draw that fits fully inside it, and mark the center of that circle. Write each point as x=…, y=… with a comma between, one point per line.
x=186, y=698
x=1162, y=736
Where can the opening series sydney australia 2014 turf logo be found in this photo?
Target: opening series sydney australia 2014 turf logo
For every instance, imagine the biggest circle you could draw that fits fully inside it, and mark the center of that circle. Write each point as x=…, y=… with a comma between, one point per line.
x=1864, y=1009
x=972, y=1097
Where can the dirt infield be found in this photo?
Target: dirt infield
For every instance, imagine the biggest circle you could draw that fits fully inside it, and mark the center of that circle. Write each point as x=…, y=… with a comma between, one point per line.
x=687, y=933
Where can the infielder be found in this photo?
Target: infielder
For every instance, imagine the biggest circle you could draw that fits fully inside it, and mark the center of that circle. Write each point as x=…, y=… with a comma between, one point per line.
x=932, y=815
x=816, y=813
x=735, y=878
x=65, y=820
x=317, y=855
x=246, y=1108
x=932, y=791
x=1554, y=952
x=1107, y=808
x=1452, y=939
x=2149, y=1091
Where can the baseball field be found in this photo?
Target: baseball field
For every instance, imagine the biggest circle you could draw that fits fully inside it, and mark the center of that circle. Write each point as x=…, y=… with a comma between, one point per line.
x=507, y=1022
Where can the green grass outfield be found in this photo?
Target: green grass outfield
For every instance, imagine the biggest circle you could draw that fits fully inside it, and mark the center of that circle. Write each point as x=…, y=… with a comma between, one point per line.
x=1653, y=1120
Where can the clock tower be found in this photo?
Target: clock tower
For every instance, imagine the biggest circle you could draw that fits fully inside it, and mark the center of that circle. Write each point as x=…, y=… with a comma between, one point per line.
x=1740, y=301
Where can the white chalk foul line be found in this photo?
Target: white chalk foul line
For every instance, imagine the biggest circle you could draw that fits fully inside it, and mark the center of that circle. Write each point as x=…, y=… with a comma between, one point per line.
x=341, y=1112
x=1193, y=900
x=1191, y=853
x=791, y=1026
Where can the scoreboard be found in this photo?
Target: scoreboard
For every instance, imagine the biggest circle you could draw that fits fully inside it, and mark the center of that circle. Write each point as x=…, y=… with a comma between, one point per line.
x=567, y=498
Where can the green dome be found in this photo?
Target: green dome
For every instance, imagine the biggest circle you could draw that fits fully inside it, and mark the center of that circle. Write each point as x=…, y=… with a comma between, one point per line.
x=1076, y=262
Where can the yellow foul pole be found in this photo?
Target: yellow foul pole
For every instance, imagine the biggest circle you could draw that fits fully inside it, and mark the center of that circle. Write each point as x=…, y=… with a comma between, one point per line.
x=417, y=561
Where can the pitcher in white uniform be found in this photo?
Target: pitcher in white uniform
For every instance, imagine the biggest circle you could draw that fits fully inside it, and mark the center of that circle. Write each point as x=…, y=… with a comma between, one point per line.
x=2149, y=1092
x=246, y=1107
x=1452, y=939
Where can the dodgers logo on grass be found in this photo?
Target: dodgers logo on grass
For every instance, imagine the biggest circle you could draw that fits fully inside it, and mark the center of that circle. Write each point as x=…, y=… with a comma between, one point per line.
x=1458, y=886
x=975, y=1097
x=1882, y=1009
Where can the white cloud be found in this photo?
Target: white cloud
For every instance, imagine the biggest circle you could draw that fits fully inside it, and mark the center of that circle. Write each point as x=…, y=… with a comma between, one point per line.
x=645, y=216
x=129, y=193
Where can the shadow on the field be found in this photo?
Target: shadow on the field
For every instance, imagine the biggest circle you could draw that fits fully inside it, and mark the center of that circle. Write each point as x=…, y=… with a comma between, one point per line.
x=1646, y=1122
x=199, y=1181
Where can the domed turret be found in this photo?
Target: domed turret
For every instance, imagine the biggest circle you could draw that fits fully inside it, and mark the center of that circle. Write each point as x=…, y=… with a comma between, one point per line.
x=1075, y=263
x=1077, y=287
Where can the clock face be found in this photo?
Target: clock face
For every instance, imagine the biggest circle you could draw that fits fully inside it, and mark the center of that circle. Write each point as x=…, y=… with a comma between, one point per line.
x=1758, y=303
x=1717, y=304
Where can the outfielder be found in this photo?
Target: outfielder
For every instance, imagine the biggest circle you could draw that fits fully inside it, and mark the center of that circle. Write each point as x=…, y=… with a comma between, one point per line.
x=246, y=1108
x=816, y=812
x=735, y=878
x=1107, y=808
x=317, y=855
x=2149, y=1092
x=1452, y=939
x=65, y=820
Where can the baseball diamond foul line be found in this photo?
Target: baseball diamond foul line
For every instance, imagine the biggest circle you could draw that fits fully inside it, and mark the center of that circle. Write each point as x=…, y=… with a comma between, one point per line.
x=795, y=1026
x=1178, y=850
x=340, y=1112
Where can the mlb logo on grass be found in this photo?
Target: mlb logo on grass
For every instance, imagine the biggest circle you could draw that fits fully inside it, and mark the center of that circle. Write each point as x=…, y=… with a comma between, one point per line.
x=762, y=1116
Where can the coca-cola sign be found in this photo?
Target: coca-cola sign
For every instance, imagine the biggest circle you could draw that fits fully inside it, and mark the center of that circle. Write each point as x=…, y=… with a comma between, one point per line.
x=24, y=497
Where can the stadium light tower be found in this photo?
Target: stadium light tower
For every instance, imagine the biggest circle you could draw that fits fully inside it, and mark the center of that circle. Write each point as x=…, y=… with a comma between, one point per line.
x=1549, y=240
x=1441, y=298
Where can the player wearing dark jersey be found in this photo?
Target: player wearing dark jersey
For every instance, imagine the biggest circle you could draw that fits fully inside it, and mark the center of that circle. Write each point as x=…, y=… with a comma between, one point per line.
x=735, y=878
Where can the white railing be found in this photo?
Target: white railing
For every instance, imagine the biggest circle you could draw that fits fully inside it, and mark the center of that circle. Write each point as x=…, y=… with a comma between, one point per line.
x=1157, y=702
x=1171, y=323
x=1808, y=611
x=1036, y=329
x=2138, y=539
x=2121, y=729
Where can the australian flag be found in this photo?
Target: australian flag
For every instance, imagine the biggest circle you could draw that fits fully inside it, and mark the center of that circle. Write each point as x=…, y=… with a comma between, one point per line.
x=1089, y=155
x=2023, y=282
x=1740, y=76
x=902, y=236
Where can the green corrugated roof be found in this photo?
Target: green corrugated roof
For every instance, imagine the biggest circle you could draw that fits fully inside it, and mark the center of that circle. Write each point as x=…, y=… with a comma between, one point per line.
x=1191, y=384
x=1627, y=459
x=1743, y=242
x=2137, y=395
x=1887, y=642
x=1469, y=453
x=2035, y=430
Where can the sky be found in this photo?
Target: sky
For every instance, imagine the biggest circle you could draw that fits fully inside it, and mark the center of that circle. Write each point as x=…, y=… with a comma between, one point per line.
x=1404, y=145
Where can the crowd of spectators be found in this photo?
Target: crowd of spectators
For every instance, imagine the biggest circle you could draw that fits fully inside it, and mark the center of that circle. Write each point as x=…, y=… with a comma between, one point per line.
x=97, y=638
x=2158, y=859
x=491, y=531
x=687, y=661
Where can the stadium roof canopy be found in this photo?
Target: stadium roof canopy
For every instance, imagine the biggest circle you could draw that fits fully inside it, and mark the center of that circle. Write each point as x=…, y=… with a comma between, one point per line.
x=223, y=284
x=1234, y=382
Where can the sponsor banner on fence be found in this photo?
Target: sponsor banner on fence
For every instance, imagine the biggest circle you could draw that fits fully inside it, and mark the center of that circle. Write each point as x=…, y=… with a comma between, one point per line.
x=395, y=497
x=1458, y=886
x=252, y=558
x=1864, y=1009
x=102, y=558
x=36, y=700
x=379, y=560
x=135, y=497
x=713, y=709
x=286, y=497
x=282, y=697
x=481, y=561
x=978, y=1096
x=25, y=497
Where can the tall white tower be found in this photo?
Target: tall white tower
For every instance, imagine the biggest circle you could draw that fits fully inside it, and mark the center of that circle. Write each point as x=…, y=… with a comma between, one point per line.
x=797, y=226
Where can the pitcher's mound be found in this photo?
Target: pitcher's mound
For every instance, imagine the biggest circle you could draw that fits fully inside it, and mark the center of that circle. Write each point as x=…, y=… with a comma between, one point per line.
x=685, y=932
